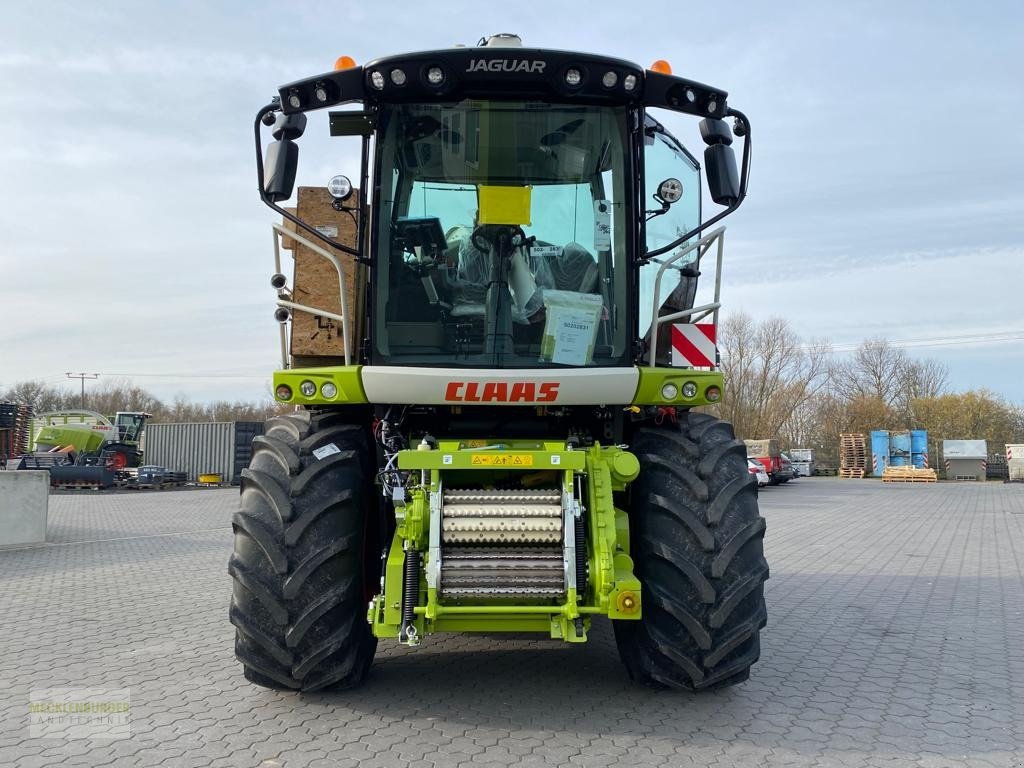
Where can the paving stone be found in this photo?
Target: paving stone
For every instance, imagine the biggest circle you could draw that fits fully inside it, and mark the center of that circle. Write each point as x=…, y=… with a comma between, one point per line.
x=894, y=639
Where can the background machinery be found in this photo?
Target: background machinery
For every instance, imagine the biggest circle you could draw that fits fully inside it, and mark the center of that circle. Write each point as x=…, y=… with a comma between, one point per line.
x=502, y=435
x=81, y=447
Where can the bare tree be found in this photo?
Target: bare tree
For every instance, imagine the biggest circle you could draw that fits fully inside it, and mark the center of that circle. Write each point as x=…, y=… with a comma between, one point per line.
x=39, y=395
x=770, y=374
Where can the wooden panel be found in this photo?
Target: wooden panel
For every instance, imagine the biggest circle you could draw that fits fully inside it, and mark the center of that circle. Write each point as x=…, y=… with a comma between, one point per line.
x=286, y=242
x=315, y=281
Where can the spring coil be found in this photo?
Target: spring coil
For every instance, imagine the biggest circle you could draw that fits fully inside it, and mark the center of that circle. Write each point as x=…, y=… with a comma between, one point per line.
x=410, y=591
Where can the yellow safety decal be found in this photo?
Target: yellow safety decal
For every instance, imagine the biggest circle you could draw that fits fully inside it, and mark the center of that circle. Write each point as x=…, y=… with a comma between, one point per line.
x=504, y=205
x=501, y=460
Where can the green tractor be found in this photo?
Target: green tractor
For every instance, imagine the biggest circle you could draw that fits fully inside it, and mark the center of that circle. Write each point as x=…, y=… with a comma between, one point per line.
x=510, y=440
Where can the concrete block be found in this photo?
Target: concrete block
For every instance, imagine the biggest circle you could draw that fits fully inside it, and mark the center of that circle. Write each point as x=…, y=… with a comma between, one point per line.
x=24, y=502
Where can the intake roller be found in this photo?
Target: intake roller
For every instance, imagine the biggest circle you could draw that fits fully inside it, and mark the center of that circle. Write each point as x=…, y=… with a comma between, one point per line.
x=502, y=545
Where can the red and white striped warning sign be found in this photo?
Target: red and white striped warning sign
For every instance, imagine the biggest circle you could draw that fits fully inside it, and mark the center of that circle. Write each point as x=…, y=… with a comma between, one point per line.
x=693, y=345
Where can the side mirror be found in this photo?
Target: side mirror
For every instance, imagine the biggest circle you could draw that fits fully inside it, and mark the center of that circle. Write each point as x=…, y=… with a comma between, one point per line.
x=720, y=162
x=282, y=161
x=282, y=158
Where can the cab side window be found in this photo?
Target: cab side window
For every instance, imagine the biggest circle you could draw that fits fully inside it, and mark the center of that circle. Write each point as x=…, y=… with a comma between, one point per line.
x=665, y=158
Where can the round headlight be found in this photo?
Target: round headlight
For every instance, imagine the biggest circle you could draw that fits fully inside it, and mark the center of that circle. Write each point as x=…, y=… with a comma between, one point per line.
x=293, y=100
x=339, y=187
x=691, y=95
x=609, y=80
x=629, y=82
x=689, y=389
x=320, y=92
x=377, y=80
x=713, y=394
x=307, y=388
x=670, y=190
x=283, y=392
x=329, y=390
x=398, y=76
x=669, y=391
x=435, y=75
x=713, y=104
x=573, y=77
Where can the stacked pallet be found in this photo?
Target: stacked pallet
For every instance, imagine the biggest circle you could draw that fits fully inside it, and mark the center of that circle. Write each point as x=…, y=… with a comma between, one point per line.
x=16, y=424
x=909, y=475
x=853, y=455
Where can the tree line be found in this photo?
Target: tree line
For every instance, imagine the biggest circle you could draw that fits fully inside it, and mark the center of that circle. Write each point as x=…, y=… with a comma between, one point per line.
x=115, y=395
x=779, y=385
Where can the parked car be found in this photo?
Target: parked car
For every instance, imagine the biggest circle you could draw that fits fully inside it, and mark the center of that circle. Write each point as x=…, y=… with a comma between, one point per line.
x=756, y=468
x=788, y=471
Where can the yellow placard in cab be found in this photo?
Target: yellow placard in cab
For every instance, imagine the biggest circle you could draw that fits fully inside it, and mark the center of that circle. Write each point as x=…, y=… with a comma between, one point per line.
x=504, y=205
x=501, y=460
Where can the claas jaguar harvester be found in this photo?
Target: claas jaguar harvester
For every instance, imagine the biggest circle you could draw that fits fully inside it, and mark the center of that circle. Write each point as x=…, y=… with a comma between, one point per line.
x=507, y=439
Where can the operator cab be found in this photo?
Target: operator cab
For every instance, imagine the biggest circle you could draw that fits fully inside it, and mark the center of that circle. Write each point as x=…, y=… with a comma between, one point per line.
x=524, y=207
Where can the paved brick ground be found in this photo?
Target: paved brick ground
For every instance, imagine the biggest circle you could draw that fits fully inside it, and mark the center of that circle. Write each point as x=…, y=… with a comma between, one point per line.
x=896, y=637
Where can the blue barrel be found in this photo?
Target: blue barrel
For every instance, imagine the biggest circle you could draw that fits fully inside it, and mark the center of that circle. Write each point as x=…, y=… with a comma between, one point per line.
x=898, y=461
x=879, y=451
x=899, y=444
x=919, y=447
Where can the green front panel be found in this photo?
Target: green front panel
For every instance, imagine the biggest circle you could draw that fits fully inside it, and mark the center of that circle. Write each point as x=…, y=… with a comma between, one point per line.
x=613, y=589
x=649, y=390
x=344, y=377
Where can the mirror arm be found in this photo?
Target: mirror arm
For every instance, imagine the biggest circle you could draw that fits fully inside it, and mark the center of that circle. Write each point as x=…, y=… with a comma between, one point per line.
x=744, y=178
x=275, y=106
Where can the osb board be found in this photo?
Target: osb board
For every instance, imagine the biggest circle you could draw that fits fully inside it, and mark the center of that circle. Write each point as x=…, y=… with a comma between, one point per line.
x=286, y=242
x=315, y=280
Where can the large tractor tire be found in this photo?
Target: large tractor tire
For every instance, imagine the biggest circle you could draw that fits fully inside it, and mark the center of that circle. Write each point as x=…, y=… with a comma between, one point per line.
x=696, y=541
x=305, y=558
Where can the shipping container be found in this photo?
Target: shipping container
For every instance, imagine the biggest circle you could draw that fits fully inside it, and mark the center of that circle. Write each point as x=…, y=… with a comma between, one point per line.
x=203, y=448
x=879, y=451
x=245, y=431
x=193, y=448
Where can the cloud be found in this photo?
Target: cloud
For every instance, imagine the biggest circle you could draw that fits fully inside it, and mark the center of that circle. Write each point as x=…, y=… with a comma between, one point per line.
x=885, y=196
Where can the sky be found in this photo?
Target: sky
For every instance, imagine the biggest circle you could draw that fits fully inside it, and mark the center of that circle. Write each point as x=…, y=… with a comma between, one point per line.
x=886, y=197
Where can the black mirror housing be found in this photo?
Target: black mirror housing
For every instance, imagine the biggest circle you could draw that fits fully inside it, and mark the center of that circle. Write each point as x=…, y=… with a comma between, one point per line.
x=289, y=126
x=715, y=131
x=722, y=173
x=280, y=166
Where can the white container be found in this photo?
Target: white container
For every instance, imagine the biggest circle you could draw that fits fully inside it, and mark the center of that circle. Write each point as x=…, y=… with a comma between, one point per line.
x=1015, y=460
x=801, y=454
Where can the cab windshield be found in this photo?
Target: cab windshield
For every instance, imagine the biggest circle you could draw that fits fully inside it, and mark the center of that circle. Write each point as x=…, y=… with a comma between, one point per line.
x=502, y=238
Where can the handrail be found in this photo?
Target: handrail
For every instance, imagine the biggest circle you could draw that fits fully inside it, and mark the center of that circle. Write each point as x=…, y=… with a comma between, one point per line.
x=702, y=246
x=279, y=232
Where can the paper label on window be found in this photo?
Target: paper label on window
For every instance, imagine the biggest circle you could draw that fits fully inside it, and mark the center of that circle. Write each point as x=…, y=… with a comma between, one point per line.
x=327, y=230
x=326, y=450
x=602, y=225
x=573, y=333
